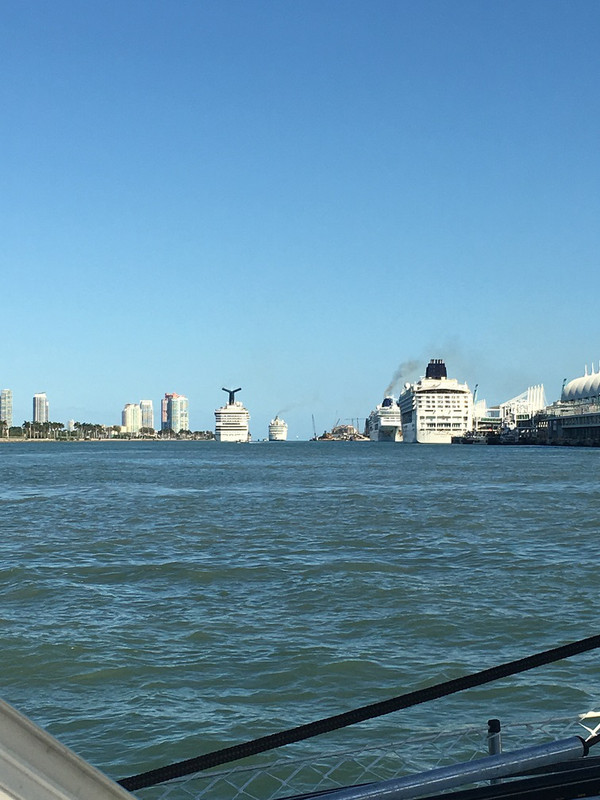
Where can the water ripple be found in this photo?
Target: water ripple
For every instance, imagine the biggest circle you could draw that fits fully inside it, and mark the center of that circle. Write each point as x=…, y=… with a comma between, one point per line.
x=157, y=600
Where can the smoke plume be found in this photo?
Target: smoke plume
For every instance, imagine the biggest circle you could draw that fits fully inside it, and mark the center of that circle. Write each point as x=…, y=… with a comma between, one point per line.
x=406, y=369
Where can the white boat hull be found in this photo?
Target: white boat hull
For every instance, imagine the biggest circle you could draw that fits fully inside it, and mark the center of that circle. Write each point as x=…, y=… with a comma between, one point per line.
x=386, y=434
x=232, y=436
x=384, y=424
x=413, y=436
x=231, y=423
x=36, y=766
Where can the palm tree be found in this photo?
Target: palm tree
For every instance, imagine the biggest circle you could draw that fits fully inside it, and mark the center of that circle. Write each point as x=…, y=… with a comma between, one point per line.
x=55, y=427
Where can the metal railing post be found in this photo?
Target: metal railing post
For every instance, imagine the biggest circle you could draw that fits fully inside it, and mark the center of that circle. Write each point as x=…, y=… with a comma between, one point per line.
x=494, y=739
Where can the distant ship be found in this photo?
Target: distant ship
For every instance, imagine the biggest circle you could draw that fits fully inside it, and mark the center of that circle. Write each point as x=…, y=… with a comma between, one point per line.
x=232, y=420
x=384, y=424
x=278, y=430
x=435, y=408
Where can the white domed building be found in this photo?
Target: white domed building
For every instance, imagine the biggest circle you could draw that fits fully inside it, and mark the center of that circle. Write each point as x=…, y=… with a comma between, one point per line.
x=575, y=420
x=582, y=390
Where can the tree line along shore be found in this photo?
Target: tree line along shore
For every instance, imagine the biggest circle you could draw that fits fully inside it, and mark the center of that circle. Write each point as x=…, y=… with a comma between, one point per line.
x=87, y=431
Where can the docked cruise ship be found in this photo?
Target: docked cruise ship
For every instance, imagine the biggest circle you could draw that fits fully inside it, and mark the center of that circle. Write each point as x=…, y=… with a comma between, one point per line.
x=232, y=420
x=435, y=408
x=278, y=430
x=384, y=424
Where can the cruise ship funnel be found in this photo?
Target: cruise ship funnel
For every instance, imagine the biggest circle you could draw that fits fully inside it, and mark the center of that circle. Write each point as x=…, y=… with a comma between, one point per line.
x=232, y=393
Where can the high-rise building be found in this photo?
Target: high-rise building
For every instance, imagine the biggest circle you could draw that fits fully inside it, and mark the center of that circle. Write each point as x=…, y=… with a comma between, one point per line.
x=40, y=407
x=174, y=413
x=180, y=414
x=163, y=413
x=147, y=413
x=131, y=418
x=6, y=406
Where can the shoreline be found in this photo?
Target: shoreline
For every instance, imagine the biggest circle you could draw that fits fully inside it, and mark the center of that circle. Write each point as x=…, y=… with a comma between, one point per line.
x=25, y=440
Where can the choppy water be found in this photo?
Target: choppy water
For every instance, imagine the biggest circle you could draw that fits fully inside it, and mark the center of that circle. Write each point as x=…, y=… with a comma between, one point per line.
x=160, y=600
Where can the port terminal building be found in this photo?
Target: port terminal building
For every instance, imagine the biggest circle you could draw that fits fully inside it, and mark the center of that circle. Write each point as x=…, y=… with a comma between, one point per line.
x=575, y=418
x=527, y=419
x=512, y=419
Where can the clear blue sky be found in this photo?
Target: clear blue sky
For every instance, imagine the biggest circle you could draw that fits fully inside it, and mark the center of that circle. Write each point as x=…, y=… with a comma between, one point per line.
x=295, y=198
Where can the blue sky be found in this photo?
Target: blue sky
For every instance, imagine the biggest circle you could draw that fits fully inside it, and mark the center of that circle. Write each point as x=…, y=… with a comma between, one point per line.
x=295, y=198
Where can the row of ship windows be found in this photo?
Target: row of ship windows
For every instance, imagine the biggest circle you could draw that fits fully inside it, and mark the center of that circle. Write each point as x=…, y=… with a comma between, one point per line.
x=445, y=410
x=445, y=416
x=440, y=405
x=443, y=426
x=430, y=412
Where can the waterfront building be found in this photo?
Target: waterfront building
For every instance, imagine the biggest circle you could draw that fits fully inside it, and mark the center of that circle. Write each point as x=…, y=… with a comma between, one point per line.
x=516, y=414
x=147, y=414
x=131, y=418
x=41, y=408
x=575, y=418
x=6, y=407
x=174, y=413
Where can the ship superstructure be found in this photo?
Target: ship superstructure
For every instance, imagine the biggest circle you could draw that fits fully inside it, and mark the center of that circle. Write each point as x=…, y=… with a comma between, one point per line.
x=384, y=423
x=232, y=420
x=435, y=408
x=278, y=430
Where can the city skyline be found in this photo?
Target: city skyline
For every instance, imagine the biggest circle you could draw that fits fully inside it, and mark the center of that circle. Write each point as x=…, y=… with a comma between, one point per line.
x=174, y=407
x=174, y=412
x=306, y=200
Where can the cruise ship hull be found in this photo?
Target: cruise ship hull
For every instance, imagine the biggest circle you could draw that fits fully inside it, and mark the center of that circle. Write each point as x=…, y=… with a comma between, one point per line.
x=386, y=434
x=411, y=435
x=384, y=424
x=232, y=436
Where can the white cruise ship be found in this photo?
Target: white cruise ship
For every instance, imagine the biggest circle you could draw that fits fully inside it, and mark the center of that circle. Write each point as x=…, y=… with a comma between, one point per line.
x=384, y=424
x=278, y=430
x=232, y=420
x=436, y=408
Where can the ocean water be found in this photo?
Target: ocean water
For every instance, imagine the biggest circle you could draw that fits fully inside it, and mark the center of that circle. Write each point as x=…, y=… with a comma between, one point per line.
x=161, y=600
